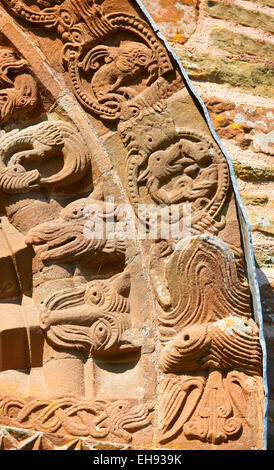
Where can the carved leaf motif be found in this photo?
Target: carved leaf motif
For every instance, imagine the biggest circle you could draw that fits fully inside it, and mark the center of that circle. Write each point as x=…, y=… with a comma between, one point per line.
x=239, y=393
x=180, y=399
x=214, y=420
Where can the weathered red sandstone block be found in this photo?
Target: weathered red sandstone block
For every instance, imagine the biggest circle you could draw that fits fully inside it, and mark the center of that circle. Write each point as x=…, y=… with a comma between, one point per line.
x=133, y=328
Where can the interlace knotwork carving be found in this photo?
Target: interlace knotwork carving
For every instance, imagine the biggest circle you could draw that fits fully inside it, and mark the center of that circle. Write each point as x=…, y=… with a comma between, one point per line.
x=111, y=72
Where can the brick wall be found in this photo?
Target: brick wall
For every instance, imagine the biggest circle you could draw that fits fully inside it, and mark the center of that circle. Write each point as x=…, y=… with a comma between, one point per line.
x=226, y=47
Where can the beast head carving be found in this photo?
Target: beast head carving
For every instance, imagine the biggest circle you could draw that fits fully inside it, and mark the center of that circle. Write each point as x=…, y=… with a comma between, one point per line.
x=18, y=89
x=93, y=318
x=10, y=62
x=74, y=236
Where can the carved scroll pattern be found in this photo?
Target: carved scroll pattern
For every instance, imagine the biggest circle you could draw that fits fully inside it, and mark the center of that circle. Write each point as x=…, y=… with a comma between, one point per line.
x=208, y=327
x=83, y=27
x=97, y=419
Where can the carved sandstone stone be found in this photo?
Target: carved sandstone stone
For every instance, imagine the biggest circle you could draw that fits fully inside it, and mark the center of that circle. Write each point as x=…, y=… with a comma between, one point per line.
x=18, y=92
x=127, y=317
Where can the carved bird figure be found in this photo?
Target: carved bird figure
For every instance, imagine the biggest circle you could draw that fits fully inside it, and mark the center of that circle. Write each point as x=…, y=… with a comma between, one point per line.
x=163, y=165
x=178, y=160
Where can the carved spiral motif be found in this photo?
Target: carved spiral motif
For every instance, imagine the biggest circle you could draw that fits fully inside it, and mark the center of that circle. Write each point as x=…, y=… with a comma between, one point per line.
x=102, y=296
x=232, y=426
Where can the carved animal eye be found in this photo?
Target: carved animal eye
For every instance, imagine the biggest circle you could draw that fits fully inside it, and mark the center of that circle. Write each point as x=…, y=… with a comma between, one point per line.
x=22, y=101
x=67, y=18
x=76, y=213
x=76, y=36
x=101, y=331
x=94, y=294
x=17, y=168
x=9, y=54
x=142, y=59
x=120, y=406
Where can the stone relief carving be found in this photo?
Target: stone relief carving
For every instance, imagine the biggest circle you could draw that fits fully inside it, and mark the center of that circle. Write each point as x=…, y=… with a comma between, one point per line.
x=111, y=72
x=94, y=318
x=65, y=238
x=174, y=165
x=40, y=142
x=18, y=92
x=213, y=410
x=97, y=419
x=120, y=64
x=215, y=333
x=105, y=317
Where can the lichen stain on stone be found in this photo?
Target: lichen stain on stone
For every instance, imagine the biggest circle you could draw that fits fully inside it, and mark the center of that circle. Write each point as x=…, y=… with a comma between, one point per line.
x=176, y=20
x=232, y=324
